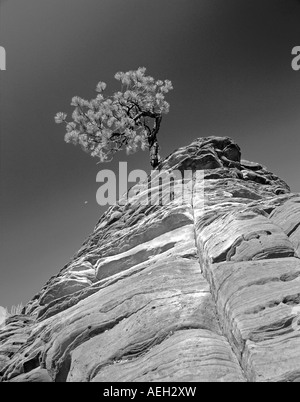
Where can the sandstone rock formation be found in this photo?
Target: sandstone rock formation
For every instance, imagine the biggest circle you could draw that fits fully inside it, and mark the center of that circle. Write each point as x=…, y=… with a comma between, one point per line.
x=202, y=290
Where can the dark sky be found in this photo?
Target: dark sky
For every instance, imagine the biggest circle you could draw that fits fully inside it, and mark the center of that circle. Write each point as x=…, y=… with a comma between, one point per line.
x=230, y=64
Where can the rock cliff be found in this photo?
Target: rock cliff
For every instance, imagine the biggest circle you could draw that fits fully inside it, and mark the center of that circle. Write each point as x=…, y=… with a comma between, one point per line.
x=206, y=288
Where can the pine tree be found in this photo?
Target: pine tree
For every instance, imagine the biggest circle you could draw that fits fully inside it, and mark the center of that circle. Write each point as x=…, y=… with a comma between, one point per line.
x=128, y=119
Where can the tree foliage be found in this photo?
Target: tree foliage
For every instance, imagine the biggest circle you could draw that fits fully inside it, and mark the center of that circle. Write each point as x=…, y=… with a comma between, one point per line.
x=128, y=119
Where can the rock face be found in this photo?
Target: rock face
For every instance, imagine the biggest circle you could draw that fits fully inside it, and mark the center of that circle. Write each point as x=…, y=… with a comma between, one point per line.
x=203, y=288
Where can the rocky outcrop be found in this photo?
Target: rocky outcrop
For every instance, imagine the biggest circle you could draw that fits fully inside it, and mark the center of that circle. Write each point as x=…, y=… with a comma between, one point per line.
x=204, y=287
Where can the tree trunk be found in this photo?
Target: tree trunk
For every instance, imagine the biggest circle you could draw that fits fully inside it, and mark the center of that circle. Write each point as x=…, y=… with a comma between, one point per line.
x=153, y=143
x=154, y=158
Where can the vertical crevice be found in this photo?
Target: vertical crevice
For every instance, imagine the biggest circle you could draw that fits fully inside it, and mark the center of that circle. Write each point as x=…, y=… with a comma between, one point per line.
x=204, y=272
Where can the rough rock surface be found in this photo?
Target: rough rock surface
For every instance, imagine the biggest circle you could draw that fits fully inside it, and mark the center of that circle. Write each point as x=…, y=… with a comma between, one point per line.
x=203, y=288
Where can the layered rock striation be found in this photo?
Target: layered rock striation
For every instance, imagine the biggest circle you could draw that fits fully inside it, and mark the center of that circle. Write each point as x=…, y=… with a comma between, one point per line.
x=204, y=287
